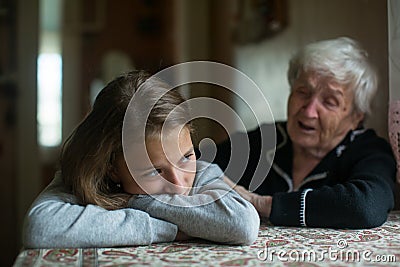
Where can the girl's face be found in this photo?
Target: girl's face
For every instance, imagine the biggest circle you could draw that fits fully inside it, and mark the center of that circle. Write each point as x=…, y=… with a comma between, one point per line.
x=168, y=168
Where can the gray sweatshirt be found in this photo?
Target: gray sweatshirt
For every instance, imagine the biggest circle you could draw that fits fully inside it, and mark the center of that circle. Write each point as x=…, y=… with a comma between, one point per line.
x=212, y=211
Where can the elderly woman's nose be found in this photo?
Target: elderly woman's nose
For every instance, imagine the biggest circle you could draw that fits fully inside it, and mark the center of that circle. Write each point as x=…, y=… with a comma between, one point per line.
x=310, y=107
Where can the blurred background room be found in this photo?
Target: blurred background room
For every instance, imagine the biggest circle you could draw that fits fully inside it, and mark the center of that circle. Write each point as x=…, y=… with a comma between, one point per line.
x=55, y=55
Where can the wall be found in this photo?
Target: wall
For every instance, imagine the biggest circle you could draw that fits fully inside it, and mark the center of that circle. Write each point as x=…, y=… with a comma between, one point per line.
x=8, y=161
x=394, y=48
x=19, y=167
x=203, y=31
x=394, y=84
x=311, y=20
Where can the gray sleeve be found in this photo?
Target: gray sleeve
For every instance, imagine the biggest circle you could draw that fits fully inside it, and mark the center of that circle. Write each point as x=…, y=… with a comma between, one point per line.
x=55, y=220
x=213, y=211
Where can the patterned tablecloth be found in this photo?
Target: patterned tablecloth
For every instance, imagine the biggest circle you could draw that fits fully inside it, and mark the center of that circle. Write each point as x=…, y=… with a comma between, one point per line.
x=278, y=246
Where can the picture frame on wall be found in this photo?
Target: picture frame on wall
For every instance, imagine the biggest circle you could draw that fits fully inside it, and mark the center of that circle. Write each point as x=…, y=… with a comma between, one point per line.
x=257, y=20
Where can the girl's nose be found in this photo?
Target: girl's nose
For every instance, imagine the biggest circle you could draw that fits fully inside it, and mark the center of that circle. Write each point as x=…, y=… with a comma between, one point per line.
x=175, y=183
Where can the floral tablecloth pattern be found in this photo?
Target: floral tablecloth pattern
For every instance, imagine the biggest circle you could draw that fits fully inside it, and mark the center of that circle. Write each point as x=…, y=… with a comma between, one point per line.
x=275, y=246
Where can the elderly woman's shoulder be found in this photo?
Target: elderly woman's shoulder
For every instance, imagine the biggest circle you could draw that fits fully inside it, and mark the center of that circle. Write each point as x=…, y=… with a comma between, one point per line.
x=368, y=140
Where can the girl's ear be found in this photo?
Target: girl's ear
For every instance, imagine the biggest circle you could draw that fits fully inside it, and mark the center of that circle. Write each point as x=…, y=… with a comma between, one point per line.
x=113, y=169
x=114, y=176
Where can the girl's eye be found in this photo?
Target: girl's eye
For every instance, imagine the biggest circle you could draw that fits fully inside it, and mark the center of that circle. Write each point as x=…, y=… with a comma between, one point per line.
x=152, y=173
x=188, y=157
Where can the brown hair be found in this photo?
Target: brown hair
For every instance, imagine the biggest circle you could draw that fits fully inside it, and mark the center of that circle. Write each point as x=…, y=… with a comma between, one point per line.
x=88, y=154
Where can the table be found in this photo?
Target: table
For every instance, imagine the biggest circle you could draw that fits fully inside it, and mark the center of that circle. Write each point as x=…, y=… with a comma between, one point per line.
x=275, y=245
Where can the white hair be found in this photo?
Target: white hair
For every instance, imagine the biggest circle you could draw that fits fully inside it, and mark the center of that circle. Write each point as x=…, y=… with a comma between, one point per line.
x=345, y=61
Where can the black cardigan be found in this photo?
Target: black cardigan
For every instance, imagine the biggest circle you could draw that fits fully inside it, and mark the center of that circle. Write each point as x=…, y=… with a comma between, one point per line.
x=352, y=187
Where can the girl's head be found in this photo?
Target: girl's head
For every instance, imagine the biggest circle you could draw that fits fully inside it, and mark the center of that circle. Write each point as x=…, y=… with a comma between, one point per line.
x=92, y=161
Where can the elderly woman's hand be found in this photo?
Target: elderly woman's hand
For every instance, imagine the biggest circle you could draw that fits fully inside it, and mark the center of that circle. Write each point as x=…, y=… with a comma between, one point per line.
x=261, y=203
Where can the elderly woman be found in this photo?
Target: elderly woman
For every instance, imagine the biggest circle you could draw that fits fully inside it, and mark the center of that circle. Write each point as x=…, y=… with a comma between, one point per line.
x=327, y=171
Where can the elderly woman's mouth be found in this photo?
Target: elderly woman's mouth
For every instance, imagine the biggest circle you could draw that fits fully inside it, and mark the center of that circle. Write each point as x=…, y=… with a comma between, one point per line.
x=306, y=127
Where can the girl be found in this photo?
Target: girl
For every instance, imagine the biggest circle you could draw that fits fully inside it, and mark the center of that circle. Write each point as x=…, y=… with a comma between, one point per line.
x=157, y=192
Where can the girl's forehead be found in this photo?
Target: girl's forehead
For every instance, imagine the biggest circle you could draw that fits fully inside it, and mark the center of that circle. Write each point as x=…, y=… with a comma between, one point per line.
x=167, y=132
x=166, y=139
x=161, y=151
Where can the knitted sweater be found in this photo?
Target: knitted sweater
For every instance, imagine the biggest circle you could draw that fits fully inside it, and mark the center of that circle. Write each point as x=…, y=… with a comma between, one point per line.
x=352, y=186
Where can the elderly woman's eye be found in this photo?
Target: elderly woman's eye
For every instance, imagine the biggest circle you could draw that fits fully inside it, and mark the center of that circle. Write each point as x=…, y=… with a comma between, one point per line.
x=302, y=91
x=332, y=102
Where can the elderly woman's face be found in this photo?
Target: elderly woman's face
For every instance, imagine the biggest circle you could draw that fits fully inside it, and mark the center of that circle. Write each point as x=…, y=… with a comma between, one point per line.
x=320, y=113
